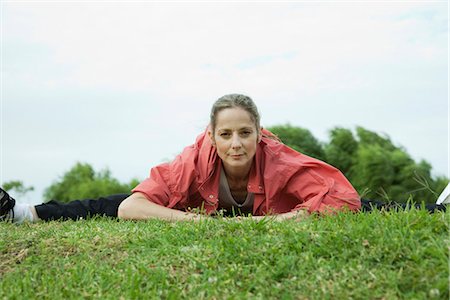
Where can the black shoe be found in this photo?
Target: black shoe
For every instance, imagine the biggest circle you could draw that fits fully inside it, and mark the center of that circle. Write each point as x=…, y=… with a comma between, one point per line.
x=6, y=206
x=432, y=208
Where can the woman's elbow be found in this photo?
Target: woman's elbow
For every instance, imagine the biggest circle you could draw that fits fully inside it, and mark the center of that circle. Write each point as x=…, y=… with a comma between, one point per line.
x=123, y=212
x=127, y=209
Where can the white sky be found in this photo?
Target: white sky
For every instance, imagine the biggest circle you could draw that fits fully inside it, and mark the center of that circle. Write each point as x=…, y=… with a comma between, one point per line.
x=127, y=85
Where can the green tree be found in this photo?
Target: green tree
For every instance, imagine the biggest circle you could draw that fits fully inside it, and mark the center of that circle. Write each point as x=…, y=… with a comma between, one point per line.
x=81, y=182
x=18, y=187
x=367, y=137
x=299, y=139
x=383, y=170
x=341, y=150
x=372, y=171
x=376, y=167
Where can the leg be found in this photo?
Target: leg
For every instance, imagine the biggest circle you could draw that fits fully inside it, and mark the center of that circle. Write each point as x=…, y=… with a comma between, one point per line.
x=74, y=210
x=369, y=205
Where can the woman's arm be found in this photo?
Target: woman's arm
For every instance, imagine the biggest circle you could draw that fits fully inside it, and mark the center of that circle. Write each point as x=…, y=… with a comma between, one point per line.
x=138, y=207
x=296, y=215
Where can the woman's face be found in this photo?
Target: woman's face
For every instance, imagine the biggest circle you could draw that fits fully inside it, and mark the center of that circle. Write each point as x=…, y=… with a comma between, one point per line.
x=235, y=138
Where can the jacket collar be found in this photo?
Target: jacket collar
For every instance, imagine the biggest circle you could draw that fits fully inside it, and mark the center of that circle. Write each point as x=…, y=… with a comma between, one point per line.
x=256, y=178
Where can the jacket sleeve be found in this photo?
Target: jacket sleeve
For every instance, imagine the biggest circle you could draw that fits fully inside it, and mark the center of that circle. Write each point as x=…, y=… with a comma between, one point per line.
x=168, y=183
x=322, y=188
x=155, y=187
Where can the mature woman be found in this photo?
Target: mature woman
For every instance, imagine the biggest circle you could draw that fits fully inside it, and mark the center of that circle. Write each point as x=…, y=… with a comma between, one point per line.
x=235, y=167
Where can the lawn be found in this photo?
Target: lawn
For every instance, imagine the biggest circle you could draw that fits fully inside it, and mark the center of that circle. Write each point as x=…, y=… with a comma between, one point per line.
x=395, y=255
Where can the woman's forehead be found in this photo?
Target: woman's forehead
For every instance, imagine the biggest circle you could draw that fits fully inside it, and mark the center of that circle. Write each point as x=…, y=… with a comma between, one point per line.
x=234, y=118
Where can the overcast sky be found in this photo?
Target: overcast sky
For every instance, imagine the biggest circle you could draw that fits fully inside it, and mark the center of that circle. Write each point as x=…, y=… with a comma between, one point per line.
x=127, y=85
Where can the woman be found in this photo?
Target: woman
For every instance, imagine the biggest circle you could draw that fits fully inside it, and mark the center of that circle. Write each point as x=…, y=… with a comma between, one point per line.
x=234, y=164
x=235, y=167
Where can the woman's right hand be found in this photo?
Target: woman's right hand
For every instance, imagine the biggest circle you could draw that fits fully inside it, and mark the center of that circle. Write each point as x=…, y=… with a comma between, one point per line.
x=138, y=207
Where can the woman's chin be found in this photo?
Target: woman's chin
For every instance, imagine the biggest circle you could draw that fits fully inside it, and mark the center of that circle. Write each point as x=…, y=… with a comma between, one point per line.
x=237, y=163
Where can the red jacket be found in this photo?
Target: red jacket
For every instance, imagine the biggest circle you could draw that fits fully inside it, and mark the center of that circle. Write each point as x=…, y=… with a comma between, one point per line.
x=281, y=179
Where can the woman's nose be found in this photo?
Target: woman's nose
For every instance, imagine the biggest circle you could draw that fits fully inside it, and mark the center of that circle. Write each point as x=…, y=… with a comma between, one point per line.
x=236, y=141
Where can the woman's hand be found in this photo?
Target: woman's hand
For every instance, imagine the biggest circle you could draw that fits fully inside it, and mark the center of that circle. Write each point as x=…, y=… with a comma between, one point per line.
x=138, y=207
x=296, y=215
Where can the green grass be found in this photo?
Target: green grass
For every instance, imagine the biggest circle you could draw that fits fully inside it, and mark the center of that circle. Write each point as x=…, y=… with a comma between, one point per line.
x=361, y=256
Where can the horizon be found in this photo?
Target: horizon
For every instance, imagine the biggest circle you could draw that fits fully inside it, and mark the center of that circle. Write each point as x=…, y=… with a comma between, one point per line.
x=129, y=85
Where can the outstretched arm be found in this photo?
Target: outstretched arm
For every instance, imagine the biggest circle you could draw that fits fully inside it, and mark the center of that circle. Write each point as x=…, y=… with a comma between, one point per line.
x=297, y=215
x=138, y=207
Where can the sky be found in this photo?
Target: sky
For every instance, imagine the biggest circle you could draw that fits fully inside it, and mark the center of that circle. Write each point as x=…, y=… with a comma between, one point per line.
x=126, y=85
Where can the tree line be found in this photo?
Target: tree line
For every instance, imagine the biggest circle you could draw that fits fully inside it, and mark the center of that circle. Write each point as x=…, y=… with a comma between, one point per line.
x=376, y=167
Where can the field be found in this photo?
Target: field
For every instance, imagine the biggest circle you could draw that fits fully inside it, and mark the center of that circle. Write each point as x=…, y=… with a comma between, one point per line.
x=394, y=255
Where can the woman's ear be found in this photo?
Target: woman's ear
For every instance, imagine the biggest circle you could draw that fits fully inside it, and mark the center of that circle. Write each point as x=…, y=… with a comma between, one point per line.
x=260, y=135
x=211, y=138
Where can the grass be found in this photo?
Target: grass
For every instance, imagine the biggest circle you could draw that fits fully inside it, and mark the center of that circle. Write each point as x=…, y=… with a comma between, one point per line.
x=379, y=255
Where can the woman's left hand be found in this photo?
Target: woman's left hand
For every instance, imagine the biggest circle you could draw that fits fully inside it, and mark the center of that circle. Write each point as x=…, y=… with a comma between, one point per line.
x=296, y=215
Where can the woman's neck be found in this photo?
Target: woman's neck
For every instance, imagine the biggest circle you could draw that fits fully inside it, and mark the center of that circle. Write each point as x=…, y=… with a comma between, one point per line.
x=237, y=174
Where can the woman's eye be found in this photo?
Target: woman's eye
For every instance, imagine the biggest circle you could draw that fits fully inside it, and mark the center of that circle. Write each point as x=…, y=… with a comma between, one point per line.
x=224, y=134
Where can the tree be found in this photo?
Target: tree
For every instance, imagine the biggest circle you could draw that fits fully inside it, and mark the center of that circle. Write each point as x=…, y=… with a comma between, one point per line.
x=376, y=167
x=373, y=172
x=82, y=182
x=299, y=139
x=383, y=170
x=367, y=137
x=18, y=187
x=341, y=150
